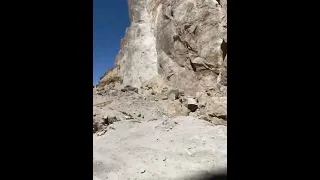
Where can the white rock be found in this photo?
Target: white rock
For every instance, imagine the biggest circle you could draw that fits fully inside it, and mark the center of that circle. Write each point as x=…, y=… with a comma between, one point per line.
x=189, y=153
x=192, y=104
x=149, y=49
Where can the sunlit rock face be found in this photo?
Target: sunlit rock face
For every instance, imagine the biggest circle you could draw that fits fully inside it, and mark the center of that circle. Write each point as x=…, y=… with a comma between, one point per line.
x=182, y=41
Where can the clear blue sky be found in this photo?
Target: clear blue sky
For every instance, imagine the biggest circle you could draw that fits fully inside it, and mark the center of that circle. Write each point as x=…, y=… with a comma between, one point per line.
x=110, y=19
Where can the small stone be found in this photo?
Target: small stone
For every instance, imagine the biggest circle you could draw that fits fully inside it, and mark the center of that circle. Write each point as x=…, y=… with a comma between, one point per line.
x=164, y=98
x=192, y=104
x=188, y=152
x=102, y=132
x=113, y=92
x=143, y=171
x=139, y=115
x=111, y=127
x=164, y=159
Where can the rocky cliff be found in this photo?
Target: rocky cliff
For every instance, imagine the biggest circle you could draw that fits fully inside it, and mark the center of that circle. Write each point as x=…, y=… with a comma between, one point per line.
x=161, y=112
x=182, y=42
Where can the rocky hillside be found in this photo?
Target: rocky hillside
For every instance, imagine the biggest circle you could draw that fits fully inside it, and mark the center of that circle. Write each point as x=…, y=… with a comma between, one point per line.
x=175, y=45
x=161, y=111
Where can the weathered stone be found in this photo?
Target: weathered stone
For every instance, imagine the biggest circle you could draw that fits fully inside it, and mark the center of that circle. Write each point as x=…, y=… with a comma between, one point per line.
x=97, y=125
x=129, y=88
x=164, y=98
x=218, y=111
x=173, y=94
x=192, y=104
x=185, y=42
x=218, y=121
x=180, y=109
x=113, y=92
x=216, y=107
x=110, y=117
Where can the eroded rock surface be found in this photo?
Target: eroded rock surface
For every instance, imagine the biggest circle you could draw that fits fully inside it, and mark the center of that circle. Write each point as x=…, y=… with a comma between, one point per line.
x=182, y=41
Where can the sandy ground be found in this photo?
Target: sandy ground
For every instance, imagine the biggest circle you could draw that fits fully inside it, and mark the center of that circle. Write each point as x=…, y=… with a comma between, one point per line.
x=167, y=148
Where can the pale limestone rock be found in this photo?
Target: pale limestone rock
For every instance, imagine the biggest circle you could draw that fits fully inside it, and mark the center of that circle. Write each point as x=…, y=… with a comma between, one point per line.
x=192, y=104
x=183, y=41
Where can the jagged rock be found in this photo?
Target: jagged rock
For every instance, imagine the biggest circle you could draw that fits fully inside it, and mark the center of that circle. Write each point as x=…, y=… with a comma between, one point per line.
x=98, y=124
x=216, y=107
x=155, y=86
x=129, y=88
x=111, y=117
x=185, y=42
x=192, y=104
x=164, y=98
x=96, y=127
x=218, y=111
x=180, y=108
x=218, y=121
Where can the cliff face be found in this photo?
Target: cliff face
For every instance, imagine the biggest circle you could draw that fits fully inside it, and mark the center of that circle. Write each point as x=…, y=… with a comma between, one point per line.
x=182, y=41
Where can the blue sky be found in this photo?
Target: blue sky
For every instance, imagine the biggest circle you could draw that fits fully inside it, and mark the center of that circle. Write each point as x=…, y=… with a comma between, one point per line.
x=110, y=19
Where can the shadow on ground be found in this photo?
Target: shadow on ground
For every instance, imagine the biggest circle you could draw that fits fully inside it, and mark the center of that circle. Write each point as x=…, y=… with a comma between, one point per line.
x=214, y=175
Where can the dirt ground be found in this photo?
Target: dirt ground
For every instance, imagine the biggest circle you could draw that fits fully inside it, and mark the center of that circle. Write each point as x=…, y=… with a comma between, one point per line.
x=146, y=143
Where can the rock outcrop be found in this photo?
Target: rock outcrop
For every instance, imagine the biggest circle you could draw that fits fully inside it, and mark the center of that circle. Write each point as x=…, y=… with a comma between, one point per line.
x=182, y=41
x=174, y=51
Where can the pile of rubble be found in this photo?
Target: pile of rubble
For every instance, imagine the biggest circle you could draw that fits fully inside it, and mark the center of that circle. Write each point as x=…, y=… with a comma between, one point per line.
x=154, y=100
